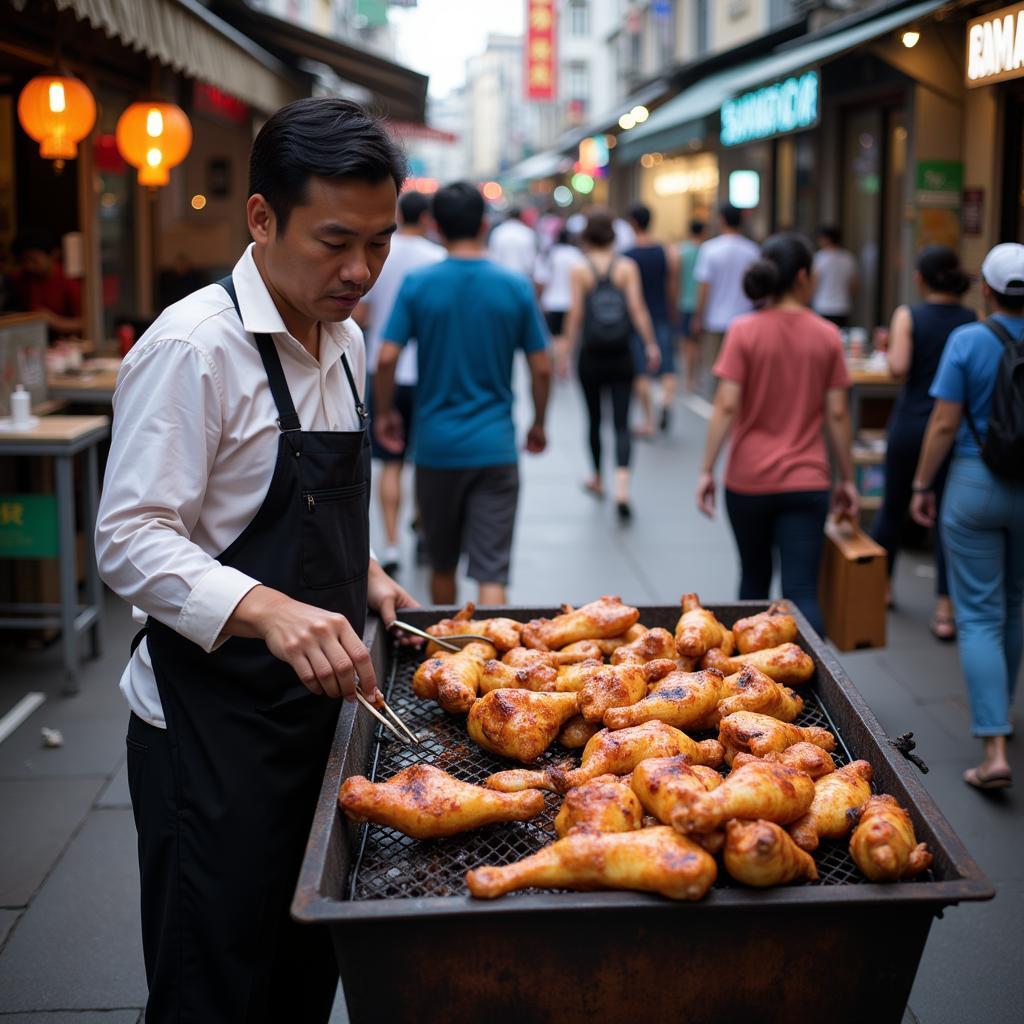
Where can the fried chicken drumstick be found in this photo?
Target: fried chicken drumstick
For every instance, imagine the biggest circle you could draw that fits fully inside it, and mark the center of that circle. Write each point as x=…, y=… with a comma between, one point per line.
x=883, y=844
x=833, y=812
x=503, y=633
x=768, y=629
x=519, y=724
x=607, y=617
x=761, y=854
x=604, y=804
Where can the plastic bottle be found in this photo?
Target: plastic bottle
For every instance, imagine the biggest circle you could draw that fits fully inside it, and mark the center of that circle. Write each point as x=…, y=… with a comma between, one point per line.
x=21, y=408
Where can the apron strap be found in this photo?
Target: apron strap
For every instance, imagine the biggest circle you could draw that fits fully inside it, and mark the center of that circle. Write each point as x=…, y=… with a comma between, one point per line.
x=287, y=417
x=361, y=410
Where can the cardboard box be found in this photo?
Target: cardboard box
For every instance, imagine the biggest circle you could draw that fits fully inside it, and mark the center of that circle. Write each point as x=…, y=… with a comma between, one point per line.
x=852, y=586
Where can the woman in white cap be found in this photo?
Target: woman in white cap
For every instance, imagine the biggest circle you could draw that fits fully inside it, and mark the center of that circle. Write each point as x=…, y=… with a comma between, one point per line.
x=978, y=413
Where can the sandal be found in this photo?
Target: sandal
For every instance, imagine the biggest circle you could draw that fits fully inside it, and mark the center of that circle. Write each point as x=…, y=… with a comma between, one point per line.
x=943, y=628
x=594, y=488
x=995, y=780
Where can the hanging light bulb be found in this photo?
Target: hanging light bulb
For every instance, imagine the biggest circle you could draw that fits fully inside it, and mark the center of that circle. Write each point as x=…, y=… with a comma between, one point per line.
x=154, y=137
x=58, y=111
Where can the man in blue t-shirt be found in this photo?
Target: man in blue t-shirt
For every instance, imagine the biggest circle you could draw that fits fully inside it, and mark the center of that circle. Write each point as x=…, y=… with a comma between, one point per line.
x=469, y=316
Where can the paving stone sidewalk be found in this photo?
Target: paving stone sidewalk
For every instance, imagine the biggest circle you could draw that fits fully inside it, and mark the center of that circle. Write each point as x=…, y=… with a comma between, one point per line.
x=70, y=951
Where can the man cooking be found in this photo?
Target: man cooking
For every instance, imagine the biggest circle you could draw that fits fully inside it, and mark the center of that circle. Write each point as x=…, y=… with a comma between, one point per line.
x=235, y=517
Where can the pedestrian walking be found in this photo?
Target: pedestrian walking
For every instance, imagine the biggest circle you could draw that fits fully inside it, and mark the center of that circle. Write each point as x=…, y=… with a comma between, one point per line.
x=513, y=245
x=979, y=408
x=721, y=264
x=469, y=317
x=835, y=278
x=553, y=278
x=607, y=310
x=917, y=337
x=782, y=376
x=687, y=304
x=410, y=249
x=234, y=516
x=659, y=279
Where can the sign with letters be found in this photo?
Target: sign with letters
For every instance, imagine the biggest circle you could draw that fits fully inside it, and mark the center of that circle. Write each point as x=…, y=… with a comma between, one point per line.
x=777, y=109
x=995, y=46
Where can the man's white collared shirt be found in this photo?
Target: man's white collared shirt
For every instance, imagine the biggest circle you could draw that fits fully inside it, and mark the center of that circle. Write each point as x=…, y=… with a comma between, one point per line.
x=193, y=449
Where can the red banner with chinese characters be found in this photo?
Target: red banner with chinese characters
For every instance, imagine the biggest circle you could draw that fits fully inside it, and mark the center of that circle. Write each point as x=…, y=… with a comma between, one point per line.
x=540, y=49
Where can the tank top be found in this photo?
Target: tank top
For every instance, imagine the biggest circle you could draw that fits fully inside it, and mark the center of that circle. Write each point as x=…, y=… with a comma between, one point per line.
x=653, y=277
x=931, y=325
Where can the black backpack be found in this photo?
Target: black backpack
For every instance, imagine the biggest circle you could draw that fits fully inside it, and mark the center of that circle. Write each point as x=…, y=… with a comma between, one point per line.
x=1003, y=447
x=607, y=326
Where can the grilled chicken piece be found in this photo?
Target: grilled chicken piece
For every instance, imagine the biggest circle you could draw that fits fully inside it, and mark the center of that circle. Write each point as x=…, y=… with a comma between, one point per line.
x=576, y=732
x=649, y=860
x=617, y=752
x=697, y=630
x=612, y=686
x=582, y=650
x=604, y=804
x=426, y=803
x=768, y=629
x=760, y=853
x=503, y=633
x=519, y=723
x=805, y=757
x=611, y=644
x=758, y=790
x=659, y=781
x=453, y=680
x=606, y=617
x=496, y=674
x=528, y=657
x=883, y=844
x=838, y=797
x=681, y=699
x=571, y=677
x=654, y=644
x=758, y=734
x=786, y=664
x=751, y=690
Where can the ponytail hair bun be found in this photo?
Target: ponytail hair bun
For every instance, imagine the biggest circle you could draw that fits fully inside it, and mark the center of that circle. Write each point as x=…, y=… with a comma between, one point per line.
x=939, y=267
x=783, y=256
x=761, y=281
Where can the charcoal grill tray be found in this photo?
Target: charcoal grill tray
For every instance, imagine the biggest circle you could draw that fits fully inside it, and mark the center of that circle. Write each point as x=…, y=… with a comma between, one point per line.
x=412, y=945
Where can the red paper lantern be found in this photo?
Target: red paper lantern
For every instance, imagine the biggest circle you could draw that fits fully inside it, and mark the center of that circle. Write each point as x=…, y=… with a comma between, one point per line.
x=154, y=137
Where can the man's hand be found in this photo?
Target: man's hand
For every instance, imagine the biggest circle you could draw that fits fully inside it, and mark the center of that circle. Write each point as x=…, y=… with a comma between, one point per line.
x=696, y=325
x=536, y=439
x=387, y=428
x=845, y=500
x=924, y=508
x=706, y=495
x=387, y=598
x=322, y=647
x=653, y=358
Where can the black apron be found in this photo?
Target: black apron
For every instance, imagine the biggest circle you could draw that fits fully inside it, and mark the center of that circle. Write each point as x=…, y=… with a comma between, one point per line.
x=224, y=797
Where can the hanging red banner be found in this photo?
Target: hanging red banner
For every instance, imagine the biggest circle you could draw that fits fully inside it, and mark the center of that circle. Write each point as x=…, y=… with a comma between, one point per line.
x=540, y=49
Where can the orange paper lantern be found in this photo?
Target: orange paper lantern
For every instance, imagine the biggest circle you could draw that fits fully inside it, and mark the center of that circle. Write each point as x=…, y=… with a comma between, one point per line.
x=154, y=137
x=58, y=112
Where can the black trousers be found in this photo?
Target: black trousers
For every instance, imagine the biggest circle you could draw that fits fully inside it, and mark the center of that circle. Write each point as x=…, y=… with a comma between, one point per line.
x=903, y=447
x=297, y=978
x=620, y=388
x=791, y=523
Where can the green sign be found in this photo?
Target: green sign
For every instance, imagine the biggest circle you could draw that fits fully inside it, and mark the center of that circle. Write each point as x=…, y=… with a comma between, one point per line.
x=940, y=183
x=28, y=526
x=787, y=106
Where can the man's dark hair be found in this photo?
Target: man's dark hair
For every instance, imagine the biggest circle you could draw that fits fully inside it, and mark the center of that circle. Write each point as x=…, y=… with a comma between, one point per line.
x=39, y=239
x=320, y=137
x=1010, y=303
x=600, y=230
x=831, y=232
x=412, y=206
x=732, y=217
x=514, y=213
x=459, y=211
x=640, y=215
x=697, y=227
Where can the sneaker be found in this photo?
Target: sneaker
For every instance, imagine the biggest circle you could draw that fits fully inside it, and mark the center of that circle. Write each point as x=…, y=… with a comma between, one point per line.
x=390, y=562
x=666, y=419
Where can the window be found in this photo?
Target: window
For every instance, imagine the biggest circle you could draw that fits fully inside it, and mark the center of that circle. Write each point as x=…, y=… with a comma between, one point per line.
x=702, y=26
x=579, y=17
x=578, y=80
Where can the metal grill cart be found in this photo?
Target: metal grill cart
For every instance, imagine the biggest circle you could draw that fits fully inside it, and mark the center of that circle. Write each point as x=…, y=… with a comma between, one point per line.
x=412, y=945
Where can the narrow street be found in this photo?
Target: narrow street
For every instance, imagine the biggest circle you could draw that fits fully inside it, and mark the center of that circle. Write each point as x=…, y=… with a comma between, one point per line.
x=70, y=951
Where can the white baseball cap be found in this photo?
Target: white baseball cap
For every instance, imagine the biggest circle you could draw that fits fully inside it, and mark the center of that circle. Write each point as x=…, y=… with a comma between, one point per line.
x=1003, y=269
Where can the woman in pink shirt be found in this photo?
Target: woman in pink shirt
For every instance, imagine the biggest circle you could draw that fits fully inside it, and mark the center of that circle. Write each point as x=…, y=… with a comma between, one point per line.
x=781, y=377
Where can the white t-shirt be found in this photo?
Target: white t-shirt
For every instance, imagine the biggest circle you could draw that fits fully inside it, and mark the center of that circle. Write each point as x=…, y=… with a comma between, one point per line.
x=514, y=246
x=553, y=271
x=408, y=252
x=721, y=263
x=835, y=270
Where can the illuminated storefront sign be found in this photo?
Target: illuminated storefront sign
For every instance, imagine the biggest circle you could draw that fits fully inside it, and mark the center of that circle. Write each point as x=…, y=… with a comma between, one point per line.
x=787, y=106
x=540, y=49
x=995, y=46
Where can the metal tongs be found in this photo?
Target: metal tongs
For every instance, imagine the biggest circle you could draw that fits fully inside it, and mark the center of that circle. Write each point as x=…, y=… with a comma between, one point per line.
x=408, y=737
x=448, y=643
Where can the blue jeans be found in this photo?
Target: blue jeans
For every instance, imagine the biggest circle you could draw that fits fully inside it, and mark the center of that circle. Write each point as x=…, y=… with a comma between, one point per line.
x=983, y=532
x=792, y=523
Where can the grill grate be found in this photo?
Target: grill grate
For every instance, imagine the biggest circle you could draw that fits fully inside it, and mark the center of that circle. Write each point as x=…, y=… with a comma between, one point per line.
x=390, y=865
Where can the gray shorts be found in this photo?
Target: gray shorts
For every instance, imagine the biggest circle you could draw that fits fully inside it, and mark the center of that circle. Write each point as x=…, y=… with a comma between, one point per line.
x=471, y=511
